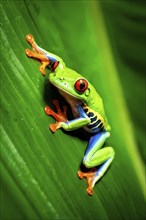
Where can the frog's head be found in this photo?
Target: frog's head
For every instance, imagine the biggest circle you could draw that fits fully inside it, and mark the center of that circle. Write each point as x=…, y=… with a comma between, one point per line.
x=71, y=83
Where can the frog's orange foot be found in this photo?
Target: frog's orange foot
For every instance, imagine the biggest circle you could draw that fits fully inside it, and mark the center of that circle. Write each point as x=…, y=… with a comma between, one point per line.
x=60, y=116
x=88, y=174
x=90, y=177
x=50, y=112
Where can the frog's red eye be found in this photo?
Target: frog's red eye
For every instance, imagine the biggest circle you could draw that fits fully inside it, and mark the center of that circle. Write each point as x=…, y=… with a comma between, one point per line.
x=81, y=85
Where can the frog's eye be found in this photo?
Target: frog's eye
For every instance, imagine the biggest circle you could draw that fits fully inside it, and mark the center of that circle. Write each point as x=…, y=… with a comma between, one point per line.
x=81, y=85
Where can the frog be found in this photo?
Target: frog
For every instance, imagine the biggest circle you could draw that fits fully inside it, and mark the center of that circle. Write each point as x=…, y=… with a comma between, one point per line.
x=87, y=108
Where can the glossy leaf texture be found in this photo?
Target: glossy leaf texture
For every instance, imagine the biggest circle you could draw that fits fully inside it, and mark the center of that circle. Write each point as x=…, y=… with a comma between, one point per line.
x=105, y=42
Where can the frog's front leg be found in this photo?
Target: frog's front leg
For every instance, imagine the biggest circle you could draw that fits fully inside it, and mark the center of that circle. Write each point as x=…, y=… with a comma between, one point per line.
x=74, y=124
x=95, y=156
x=62, y=121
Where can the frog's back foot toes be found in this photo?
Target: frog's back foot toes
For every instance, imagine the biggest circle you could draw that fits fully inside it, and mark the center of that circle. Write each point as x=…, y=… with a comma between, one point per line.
x=90, y=176
x=80, y=174
x=90, y=191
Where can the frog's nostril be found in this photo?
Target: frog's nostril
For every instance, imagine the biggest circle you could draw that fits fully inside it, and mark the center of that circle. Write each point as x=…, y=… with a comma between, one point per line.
x=62, y=78
x=66, y=84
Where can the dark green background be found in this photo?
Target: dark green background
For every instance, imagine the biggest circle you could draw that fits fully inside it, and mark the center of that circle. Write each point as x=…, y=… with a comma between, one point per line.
x=105, y=42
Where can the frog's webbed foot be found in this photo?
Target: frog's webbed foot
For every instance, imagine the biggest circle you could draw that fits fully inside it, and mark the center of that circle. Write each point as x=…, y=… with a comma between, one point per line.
x=60, y=116
x=37, y=54
x=90, y=179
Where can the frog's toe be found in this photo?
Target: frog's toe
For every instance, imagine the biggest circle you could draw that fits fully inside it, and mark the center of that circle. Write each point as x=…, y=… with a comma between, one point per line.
x=80, y=174
x=65, y=111
x=56, y=103
x=90, y=191
x=30, y=38
x=29, y=53
x=48, y=110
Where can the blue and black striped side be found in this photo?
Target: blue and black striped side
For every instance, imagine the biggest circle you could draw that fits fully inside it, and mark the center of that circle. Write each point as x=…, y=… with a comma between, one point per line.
x=97, y=122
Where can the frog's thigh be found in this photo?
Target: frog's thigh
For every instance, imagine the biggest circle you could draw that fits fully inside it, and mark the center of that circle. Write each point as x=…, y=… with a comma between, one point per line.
x=100, y=157
x=93, y=155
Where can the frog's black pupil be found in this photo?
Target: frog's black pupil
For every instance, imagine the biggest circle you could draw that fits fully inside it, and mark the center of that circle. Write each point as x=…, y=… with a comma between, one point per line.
x=82, y=85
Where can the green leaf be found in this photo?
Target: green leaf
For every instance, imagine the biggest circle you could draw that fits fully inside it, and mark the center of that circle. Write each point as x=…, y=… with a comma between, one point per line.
x=100, y=40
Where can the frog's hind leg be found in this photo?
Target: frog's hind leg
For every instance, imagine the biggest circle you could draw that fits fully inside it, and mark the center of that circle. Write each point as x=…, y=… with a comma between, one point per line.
x=94, y=157
x=46, y=58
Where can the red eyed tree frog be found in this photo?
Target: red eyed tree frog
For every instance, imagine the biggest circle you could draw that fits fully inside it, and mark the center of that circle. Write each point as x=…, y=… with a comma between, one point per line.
x=87, y=108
